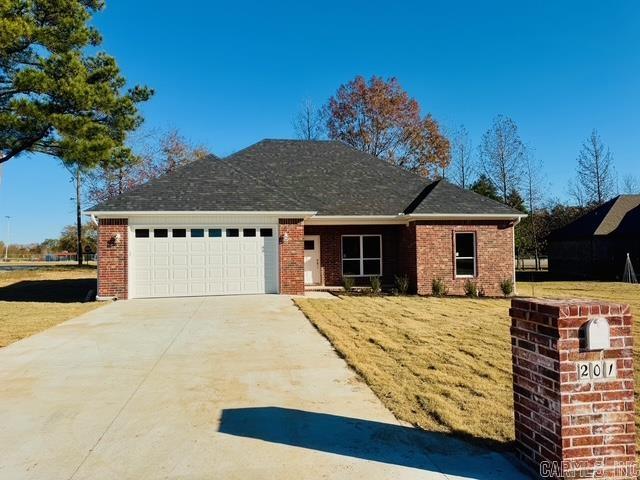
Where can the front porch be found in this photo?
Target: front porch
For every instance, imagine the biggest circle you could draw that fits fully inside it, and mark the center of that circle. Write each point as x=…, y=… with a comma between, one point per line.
x=455, y=252
x=360, y=252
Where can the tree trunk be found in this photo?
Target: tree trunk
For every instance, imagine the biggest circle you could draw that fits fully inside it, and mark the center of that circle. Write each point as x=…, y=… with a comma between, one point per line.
x=79, y=216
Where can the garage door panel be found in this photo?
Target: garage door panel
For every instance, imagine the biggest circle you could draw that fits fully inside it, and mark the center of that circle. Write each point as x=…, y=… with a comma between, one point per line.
x=143, y=274
x=160, y=261
x=198, y=274
x=209, y=265
x=160, y=247
x=162, y=274
x=161, y=290
x=197, y=260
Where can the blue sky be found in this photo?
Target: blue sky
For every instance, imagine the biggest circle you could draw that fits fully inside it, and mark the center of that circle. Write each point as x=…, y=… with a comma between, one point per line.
x=231, y=73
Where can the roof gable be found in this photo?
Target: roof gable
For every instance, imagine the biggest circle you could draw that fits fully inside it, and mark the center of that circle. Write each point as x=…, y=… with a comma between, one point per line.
x=616, y=217
x=442, y=197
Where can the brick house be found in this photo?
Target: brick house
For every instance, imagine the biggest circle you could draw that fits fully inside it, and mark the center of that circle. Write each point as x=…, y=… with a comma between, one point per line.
x=282, y=216
x=595, y=246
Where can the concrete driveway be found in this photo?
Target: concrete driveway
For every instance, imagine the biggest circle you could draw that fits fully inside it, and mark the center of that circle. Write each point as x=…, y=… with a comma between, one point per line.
x=206, y=388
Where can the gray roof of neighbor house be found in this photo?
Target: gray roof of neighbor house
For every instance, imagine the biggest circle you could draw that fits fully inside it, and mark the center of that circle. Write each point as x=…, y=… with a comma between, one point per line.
x=620, y=216
x=327, y=177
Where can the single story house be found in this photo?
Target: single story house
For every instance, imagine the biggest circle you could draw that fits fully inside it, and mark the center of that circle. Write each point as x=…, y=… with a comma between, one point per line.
x=284, y=215
x=595, y=246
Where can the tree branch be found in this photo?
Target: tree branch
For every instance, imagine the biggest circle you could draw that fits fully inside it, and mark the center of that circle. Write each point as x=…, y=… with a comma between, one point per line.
x=26, y=145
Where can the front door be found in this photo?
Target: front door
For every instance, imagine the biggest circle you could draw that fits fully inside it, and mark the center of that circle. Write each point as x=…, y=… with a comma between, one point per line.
x=312, y=260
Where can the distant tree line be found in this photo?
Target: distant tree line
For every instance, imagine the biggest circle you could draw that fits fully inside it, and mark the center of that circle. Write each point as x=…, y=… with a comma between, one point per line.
x=378, y=117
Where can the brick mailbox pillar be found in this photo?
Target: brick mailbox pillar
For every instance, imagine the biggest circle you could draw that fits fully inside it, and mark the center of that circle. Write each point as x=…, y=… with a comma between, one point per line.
x=573, y=388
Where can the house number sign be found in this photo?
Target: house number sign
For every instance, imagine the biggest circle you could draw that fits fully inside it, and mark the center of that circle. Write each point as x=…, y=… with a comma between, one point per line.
x=597, y=370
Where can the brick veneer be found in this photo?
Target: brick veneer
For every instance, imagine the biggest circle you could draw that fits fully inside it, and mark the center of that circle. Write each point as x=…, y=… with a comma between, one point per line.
x=393, y=258
x=113, y=258
x=435, y=254
x=291, y=256
x=584, y=426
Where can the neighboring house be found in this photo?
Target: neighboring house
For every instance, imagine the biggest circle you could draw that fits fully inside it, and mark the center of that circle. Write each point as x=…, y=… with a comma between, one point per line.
x=283, y=214
x=595, y=246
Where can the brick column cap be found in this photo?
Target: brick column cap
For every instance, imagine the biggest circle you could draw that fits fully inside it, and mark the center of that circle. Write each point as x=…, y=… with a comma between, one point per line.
x=564, y=308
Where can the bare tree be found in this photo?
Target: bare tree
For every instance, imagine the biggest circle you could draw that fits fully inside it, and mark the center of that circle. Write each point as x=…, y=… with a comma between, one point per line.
x=534, y=196
x=502, y=153
x=630, y=184
x=156, y=154
x=308, y=123
x=577, y=193
x=462, y=166
x=595, y=170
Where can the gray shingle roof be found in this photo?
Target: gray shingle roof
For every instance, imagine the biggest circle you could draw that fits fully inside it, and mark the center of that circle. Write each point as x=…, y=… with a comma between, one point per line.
x=618, y=216
x=291, y=175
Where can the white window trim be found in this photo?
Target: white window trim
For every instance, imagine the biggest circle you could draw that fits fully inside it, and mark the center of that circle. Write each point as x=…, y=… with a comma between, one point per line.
x=361, y=259
x=456, y=258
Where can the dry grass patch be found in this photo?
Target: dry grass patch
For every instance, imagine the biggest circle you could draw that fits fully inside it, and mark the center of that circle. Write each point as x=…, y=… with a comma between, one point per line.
x=34, y=300
x=443, y=364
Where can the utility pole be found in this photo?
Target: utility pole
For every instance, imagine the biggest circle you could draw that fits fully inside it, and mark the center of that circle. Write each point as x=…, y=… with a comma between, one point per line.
x=6, y=247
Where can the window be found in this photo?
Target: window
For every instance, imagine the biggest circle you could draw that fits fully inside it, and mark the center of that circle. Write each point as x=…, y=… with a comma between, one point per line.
x=465, y=254
x=197, y=232
x=142, y=233
x=161, y=233
x=249, y=232
x=361, y=255
x=233, y=232
x=309, y=245
x=215, y=232
x=266, y=232
x=179, y=233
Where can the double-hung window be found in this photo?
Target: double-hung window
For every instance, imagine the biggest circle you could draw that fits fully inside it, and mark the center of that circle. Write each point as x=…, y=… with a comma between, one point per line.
x=361, y=255
x=465, y=254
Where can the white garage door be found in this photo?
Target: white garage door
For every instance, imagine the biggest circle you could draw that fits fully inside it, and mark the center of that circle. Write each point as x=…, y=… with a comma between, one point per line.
x=213, y=260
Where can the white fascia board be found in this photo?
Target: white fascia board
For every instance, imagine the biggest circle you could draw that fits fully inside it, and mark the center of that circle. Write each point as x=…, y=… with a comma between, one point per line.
x=465, y=216
x=402, y=219
x=356, y=220
x=126, y=214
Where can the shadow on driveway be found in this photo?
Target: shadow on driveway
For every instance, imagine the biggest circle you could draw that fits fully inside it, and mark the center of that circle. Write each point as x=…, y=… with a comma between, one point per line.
x=56, y=291
x=370, y=440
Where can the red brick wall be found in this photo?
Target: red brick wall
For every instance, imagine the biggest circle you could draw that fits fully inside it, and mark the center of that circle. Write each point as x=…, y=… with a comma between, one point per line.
x=113, y=258
x=436, y=255
x=558, y=418
x=393, y=257
x=291, y=256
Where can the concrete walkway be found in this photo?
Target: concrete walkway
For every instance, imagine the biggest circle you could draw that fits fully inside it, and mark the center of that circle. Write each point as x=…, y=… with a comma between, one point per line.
x=206, y=388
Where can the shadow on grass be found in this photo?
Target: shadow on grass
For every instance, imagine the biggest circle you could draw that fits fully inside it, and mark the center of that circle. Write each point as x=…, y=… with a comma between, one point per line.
x=371, y=440
x=56, y=291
